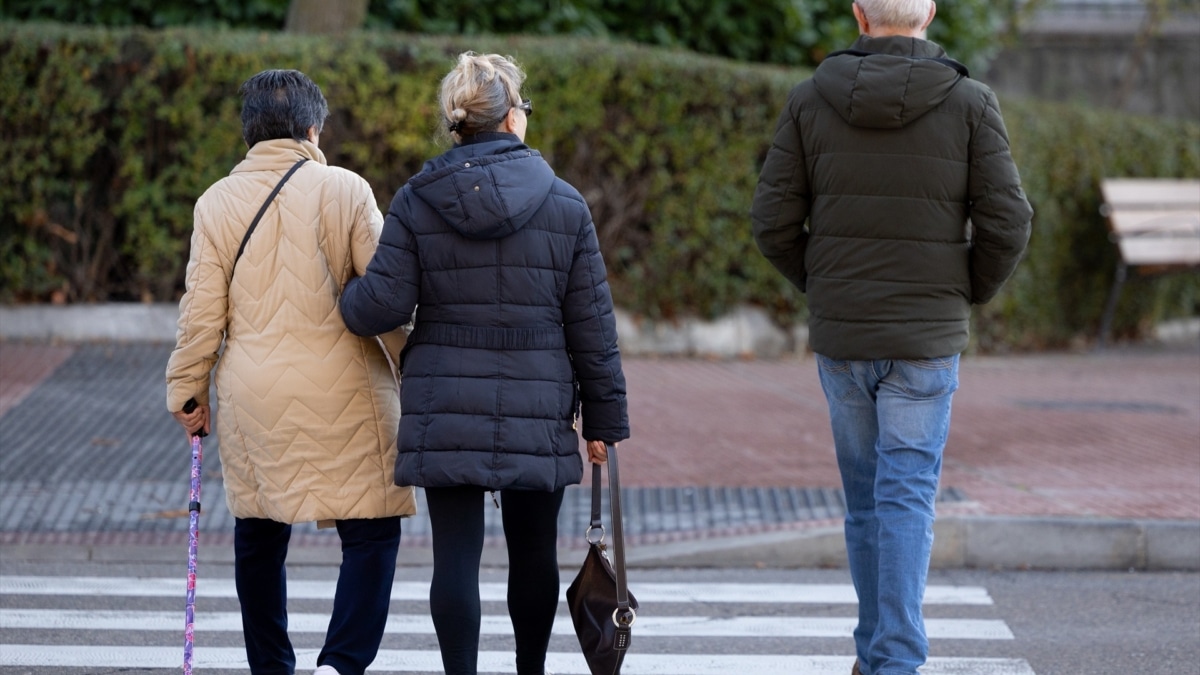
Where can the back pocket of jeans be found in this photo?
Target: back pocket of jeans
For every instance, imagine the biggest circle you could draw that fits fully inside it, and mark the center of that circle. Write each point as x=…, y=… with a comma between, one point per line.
x=928, y=378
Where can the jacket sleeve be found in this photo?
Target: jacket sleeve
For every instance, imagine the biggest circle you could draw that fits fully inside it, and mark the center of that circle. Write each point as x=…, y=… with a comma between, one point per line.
x=364, y=241
x=1000, y=213
x=591, y=331
x=384, y=297
x=782, y=200
x=202, y=320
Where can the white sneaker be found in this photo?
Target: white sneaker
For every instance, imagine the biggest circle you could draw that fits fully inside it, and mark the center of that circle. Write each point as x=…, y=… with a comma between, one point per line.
x=326, y=670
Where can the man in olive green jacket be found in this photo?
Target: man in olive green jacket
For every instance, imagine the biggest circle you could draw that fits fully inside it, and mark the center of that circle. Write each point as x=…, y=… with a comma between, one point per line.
x=900, y=166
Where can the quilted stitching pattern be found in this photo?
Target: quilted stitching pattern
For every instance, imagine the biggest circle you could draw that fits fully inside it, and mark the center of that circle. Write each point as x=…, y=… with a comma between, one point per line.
x=309, y=412
x=489, y=243
x=886, y=158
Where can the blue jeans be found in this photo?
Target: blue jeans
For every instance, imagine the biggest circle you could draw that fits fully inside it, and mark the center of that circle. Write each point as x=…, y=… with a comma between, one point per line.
x=890, y=421
x=360, y=603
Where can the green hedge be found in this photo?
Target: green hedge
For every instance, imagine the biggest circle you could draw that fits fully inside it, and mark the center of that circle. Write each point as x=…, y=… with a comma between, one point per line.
x=1057, y=295
x=111, y=135
x=768, y=31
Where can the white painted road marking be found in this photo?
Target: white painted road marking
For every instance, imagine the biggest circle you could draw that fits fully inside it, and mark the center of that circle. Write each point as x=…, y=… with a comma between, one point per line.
x=410, y=661
x=413, y=624
x=681, y=611
x=824, y=594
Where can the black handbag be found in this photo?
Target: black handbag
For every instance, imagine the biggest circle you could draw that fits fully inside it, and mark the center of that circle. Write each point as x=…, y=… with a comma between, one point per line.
x=602, y=608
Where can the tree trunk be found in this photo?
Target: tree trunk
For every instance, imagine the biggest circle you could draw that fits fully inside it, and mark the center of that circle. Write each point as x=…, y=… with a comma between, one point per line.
x=325, y=16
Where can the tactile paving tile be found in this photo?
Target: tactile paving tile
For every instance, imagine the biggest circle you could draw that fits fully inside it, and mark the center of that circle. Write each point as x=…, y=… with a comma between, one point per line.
x=101, y=415
x=93, y=449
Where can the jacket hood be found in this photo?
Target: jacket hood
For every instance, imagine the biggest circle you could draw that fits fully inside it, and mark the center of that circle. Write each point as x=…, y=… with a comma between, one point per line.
x=898, y=81
x=486, y=188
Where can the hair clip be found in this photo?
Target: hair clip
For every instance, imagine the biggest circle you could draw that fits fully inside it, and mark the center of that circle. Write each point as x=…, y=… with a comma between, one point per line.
x=454, y=126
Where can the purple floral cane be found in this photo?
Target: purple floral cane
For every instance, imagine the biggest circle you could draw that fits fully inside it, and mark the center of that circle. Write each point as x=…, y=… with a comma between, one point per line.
x=193, y=534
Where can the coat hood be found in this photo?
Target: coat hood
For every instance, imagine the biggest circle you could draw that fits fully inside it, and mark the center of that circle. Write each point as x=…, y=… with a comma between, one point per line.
x=486, y=188
x=898, y=81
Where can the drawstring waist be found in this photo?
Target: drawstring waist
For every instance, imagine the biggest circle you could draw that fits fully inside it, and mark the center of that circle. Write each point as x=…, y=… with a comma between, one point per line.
x=480, y=337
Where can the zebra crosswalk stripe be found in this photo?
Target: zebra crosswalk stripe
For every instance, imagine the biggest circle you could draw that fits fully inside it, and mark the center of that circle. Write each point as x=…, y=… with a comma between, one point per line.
x=674, y=618
x=823, y=594
x=411, y=624
x=413, y=661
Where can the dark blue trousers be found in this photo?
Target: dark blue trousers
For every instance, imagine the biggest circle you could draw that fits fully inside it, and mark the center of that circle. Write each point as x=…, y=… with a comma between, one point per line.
x=360, y=604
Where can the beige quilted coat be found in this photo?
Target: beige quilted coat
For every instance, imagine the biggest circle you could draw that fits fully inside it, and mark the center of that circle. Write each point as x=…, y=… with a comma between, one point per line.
x=308, y=412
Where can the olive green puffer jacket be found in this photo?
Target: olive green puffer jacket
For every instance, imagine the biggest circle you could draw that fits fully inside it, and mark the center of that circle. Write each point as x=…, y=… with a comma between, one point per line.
x=887, y=156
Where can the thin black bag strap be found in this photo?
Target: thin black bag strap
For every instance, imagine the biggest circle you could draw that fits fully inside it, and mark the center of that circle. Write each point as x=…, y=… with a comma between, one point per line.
x=596, y=523
x=962, y=70
x=263, y=209
x=623, y=612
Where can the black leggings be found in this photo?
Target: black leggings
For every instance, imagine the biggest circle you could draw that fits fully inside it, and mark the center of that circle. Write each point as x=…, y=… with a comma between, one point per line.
x=531, y=532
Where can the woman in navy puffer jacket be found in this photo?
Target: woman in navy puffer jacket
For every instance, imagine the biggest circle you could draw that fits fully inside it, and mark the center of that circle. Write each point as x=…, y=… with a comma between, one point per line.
x=514, y=341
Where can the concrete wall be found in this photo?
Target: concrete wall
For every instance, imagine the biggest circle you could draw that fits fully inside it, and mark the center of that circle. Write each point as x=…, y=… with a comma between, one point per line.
x=1100, y=59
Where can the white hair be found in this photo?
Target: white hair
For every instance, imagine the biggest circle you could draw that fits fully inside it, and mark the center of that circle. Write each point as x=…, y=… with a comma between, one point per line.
x=896, y=13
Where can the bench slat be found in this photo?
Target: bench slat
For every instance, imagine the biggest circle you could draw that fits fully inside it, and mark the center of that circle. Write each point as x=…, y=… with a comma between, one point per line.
x=1155, y=222
x=1160, y=252
x=1122, y=192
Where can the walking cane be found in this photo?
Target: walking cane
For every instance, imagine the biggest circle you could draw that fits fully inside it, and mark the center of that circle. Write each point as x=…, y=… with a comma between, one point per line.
x=193, y=533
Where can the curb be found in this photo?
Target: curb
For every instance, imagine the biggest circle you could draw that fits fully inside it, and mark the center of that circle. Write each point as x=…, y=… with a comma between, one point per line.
x=994, y=542
x=118, y=322
x=974, y=542
x=746, y=331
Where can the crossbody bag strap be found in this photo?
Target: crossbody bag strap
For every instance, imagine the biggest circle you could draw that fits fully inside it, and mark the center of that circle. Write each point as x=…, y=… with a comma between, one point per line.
x=263, y=209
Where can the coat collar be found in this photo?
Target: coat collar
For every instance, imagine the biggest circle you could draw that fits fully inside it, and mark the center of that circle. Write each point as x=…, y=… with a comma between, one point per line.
x=278, y=155
x=486, y=136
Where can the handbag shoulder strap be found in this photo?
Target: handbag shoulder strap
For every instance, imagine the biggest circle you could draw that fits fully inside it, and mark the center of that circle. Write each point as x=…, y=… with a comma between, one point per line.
x=263, y=209
x=623, y=612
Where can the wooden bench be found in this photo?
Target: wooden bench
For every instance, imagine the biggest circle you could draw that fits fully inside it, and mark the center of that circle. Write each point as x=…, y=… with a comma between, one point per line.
x=1155, y=223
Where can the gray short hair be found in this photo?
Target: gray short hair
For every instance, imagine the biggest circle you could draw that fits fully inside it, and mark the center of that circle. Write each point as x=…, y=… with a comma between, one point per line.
x=281, y=104
x=479, y=92
x=896, y=13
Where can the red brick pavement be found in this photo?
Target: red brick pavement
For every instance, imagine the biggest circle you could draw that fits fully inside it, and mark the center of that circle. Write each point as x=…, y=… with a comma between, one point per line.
x=1112, y=434
x=23, y=366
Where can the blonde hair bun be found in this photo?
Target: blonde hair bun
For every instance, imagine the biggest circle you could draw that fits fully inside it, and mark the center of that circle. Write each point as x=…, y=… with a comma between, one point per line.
x=478, y=93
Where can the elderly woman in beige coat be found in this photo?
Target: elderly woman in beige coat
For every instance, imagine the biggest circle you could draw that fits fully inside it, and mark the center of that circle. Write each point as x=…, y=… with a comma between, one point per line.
x=308, y=411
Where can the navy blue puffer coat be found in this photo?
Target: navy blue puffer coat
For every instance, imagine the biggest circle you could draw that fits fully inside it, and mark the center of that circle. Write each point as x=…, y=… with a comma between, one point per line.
x=514, y=328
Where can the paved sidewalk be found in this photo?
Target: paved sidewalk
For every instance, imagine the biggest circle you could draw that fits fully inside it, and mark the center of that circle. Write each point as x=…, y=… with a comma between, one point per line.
x=1054, y=460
